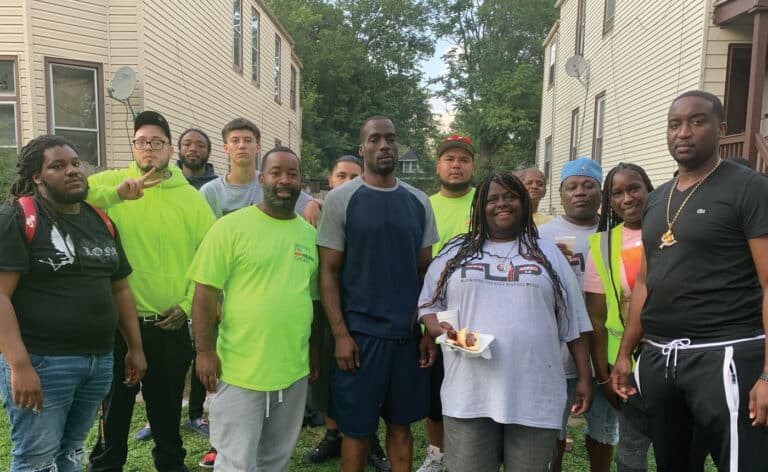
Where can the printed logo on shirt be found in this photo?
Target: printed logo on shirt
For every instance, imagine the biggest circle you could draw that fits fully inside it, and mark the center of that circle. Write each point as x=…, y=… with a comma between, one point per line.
x=701, y=211
x=302, y=253
x=512, y=275
x=65, y=250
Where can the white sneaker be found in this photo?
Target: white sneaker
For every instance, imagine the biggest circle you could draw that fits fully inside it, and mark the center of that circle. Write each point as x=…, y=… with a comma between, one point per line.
x=432, y=465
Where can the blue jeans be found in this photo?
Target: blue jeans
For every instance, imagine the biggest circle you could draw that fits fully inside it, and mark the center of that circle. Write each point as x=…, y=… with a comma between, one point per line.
x=73, y=388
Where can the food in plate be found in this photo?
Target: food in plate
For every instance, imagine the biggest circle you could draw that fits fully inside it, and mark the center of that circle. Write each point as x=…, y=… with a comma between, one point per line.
x=464, y=338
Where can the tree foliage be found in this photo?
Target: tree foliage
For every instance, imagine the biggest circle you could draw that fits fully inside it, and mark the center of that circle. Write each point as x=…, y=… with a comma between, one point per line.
x=359, y=58
x=494, y=76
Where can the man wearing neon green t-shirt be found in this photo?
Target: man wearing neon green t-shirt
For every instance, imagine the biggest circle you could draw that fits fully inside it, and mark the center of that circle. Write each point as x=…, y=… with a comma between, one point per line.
x=265, y=260
x=452, y=205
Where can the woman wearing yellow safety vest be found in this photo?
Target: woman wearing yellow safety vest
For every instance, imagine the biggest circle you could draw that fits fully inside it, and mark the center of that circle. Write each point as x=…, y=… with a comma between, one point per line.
x=614, y=260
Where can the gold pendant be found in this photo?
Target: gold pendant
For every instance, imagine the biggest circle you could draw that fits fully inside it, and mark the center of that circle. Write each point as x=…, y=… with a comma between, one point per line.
x=667, y=239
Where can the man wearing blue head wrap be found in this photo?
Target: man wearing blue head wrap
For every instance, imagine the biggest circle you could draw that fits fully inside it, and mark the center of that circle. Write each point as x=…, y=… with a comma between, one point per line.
x=580, y=196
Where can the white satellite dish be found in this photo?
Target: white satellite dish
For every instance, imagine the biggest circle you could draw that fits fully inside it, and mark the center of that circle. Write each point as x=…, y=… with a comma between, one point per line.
x=575, y=66
x=123, y=83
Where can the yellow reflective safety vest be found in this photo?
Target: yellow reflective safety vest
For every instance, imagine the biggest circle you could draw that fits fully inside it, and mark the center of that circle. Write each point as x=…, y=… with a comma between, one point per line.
x=601, y=253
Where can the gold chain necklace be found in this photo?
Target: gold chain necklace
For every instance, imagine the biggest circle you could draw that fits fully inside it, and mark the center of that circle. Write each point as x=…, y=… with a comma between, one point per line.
x=668, y=239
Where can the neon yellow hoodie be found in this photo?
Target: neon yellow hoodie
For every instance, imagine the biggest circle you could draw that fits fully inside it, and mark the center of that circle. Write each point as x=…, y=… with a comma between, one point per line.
x=160, y=233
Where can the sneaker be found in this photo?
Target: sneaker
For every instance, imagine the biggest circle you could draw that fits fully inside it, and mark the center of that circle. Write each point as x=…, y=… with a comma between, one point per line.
x=144, y=434
x=376, y=457
x=199, y=426
x=432, y=465
x=208, y=459
x=328, y=448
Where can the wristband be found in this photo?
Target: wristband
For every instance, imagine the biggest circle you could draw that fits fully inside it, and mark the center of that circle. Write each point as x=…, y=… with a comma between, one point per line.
x=763, y=377
x=608, y=379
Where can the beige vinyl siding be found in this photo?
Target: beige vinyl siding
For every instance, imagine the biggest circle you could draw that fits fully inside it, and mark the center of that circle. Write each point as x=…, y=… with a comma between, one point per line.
x=65, y=30
x=640, y=65
x=716, y=53
x=12, y=33
x=191, y=80
x=182, y=55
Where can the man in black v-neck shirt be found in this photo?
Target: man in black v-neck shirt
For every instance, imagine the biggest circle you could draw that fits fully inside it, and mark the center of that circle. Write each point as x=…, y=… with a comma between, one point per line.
x=63, y=293
x=697, y=309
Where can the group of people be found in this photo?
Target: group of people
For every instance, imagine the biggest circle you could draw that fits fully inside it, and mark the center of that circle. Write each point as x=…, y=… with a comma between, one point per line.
x=641, y=309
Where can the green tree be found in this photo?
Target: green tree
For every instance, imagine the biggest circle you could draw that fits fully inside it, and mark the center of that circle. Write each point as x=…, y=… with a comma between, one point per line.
x=495, y=70
x=359, y=59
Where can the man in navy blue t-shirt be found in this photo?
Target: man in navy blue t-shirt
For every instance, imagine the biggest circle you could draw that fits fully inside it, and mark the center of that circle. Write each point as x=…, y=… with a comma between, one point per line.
x=375, y=238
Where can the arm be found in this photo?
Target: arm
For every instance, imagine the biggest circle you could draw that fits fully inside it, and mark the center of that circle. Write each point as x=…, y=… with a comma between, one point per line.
x=633, y=333
x=347, y=353
x=758, y=396
x=315, y=342
x=128, y=323
x=25, y=384
x=583, y=393
x=312, y=211
x=108, y=188
x=598, y=345
x=427, y=348
x=203, y=320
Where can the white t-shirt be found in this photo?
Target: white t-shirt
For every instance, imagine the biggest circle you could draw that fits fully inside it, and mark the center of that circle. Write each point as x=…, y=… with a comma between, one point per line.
x=524, y=381
x=561, y=227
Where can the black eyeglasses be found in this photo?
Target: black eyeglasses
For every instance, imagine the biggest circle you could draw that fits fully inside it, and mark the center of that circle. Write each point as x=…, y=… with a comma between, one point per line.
x=155, y=144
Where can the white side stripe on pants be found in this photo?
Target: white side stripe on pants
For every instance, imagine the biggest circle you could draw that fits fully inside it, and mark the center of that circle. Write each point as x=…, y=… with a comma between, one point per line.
x=731, y=390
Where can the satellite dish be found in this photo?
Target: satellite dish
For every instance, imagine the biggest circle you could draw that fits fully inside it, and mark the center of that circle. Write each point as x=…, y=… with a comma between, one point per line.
x=123, y=83
x=575, y=66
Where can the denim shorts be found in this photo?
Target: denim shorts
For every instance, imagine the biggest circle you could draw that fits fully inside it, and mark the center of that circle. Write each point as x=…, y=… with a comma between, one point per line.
x=73, y=388
x=602, y=421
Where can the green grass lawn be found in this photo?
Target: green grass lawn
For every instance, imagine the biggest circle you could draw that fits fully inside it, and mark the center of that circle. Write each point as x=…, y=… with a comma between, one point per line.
x=140, y=455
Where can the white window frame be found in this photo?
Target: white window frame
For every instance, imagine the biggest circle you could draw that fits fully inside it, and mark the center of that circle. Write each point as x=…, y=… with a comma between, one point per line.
x=12, y=98
x=278, y=68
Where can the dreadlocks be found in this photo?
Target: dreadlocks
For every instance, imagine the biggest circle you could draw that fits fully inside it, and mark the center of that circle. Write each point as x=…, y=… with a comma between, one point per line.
x=30, y=162
x=609, y=218
x=471, y=244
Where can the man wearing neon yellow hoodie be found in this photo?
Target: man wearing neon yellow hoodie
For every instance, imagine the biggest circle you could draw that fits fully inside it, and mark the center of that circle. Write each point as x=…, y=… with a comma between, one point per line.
x=162, y=220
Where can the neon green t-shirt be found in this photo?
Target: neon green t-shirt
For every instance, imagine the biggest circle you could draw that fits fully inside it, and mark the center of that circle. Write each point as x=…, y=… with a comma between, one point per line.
x=267, y=269
x=451, y=216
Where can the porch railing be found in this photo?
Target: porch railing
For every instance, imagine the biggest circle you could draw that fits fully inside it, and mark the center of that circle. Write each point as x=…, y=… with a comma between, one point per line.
x=761, y=165
x=732, y=146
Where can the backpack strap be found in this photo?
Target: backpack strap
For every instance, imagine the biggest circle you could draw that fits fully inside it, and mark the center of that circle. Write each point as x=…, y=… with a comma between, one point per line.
x=105, y=219
x=30, y=217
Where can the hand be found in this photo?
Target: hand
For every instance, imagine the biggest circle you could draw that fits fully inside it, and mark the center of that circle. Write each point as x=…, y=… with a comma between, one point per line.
x=347, y=354
x=582, y=396
x=208, y=369
x=427, y=351
x=622, y=369
x=133, y=189
x=758, y=403
x=135, y=367
x=26, y=389
x=564, y=249
x=312, y=212
x=174, y=319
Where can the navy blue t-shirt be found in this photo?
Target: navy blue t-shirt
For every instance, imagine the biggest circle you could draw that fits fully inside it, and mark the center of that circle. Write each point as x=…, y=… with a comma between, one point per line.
x=381, y=232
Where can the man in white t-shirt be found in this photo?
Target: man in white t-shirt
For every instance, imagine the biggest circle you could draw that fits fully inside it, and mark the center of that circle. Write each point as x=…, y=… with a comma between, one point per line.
x=580, y=196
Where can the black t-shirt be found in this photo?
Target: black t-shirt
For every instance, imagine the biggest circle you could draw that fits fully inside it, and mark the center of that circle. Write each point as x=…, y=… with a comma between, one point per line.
x=705, y=287
x=63, y=301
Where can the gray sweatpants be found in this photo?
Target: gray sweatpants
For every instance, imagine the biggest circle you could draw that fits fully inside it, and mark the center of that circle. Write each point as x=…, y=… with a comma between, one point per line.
x=241, y=418
x=482, y=445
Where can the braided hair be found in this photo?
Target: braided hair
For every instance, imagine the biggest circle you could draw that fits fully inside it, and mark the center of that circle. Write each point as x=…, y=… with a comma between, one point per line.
x=471, y=244
x=31, y=158
x=609, y=219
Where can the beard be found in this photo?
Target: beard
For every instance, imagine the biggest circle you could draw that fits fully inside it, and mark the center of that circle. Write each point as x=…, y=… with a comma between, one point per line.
x=457, y=186
x=193, y=165
x=65, y=198
x=280, y=204
x=158, y=169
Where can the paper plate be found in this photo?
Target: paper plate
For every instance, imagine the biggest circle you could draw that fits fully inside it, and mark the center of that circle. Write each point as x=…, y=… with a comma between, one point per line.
x=484, y=352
